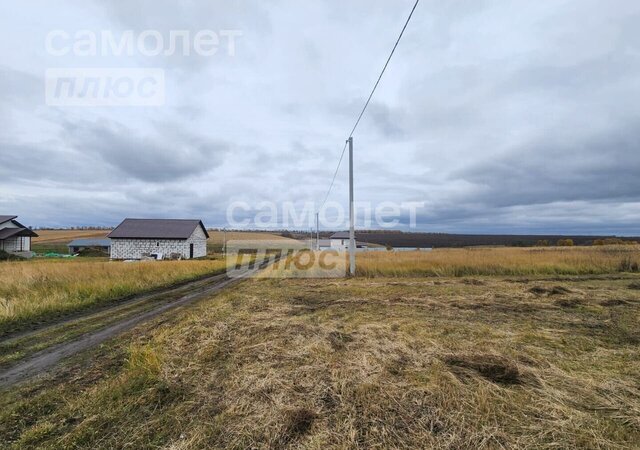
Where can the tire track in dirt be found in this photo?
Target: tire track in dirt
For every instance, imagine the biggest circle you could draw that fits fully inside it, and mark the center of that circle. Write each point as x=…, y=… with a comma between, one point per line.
x=112, y=306
x=44, y=359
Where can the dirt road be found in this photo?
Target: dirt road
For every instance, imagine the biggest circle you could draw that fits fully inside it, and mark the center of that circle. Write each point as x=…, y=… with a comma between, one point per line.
x=103, y=325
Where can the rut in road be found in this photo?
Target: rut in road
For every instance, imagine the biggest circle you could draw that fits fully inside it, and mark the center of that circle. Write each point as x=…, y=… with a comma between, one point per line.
x=44, y=359
x=112, y=307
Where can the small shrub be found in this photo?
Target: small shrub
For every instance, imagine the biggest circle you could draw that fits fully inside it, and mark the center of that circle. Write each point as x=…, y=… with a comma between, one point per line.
x=4, y=256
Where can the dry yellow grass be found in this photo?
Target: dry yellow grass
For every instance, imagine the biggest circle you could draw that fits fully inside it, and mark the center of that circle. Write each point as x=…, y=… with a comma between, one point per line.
x=216, y=237
x=449, y=363
x=65, y=236
x=35, y=290
x=501, y=261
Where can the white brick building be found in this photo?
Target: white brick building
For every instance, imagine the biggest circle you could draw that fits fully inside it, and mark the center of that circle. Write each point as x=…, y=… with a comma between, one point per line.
x=15, y=237
x=135, y=238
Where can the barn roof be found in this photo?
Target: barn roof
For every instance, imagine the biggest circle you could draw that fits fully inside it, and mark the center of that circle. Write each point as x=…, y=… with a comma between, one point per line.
x=90, y=243
x=6, y=218
x=156, y=229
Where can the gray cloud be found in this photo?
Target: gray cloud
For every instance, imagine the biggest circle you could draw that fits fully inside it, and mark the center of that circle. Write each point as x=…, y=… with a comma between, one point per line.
x=500, y=118
x=596, y=168
x=169, y=155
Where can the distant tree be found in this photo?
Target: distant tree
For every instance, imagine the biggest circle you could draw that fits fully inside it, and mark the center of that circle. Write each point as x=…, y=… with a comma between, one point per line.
x=613, y=241
x=565, y=243
x=389, y=247
x=542, y=243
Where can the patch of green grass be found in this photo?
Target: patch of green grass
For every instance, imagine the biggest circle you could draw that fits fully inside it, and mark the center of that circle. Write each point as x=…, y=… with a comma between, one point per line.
x=50, y=248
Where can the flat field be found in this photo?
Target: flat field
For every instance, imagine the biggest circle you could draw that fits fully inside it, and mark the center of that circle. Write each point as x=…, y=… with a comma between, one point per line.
x=534, y=360
x=57, y=240
x=502, y=261
x=217, y=237
x=66, y=236
x=37, y=291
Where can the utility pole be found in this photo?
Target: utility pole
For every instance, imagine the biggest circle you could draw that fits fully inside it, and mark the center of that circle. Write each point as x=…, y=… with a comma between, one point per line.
x=352, y=234
x=224, y=241
x=317, y=232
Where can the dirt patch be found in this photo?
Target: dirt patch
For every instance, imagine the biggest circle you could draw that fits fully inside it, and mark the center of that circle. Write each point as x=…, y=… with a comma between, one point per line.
x=473, y=282
x=614, y=302
x=397, y=365
x=539, y=290
x=296, y=423
x=569, y=302
x=494, y=368
x=556, y=290
x=559, y=290
x=339, y=340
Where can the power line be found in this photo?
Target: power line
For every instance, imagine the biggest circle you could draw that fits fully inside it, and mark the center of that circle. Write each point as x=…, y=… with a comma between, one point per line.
x=369, y=100
x=384, y=68
x=334, y=177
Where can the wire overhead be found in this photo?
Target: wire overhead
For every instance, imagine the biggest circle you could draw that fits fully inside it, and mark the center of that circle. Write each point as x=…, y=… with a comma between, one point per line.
x=384, y=68
x=375, y=86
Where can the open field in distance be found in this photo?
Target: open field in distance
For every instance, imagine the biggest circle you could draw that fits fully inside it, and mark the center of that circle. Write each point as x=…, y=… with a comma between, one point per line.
x=66, y=236
x=57, y=240
x=396, y=238
x=42, y=290
x=501, y=261
x=216, y=237
x=465, y=363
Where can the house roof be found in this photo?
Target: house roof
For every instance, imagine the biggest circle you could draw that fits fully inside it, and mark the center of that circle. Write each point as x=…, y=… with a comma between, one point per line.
x=342, y=235
x=156, y=229
x=4, y=219
x=90, y=243
x=345, y=235
x=6, y=233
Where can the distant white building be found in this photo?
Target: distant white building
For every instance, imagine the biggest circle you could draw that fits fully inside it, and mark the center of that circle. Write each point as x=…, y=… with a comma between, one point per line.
x=137, y=238
x=15, y=238
x=340, y=242
x=324, y=244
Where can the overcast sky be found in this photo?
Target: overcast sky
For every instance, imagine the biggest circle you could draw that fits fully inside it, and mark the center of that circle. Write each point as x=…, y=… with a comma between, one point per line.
x=501, y=116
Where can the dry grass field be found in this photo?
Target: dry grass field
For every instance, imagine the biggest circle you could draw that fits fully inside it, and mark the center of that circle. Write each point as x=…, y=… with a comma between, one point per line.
x=533, y=349
x=66, y=236
x=456, y=363
x=57, y=240
x=41, y=290
x=217, y=237
x=502, y=261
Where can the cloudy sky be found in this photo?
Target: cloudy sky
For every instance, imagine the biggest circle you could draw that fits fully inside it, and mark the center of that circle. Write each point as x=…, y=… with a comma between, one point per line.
x=498, y=116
